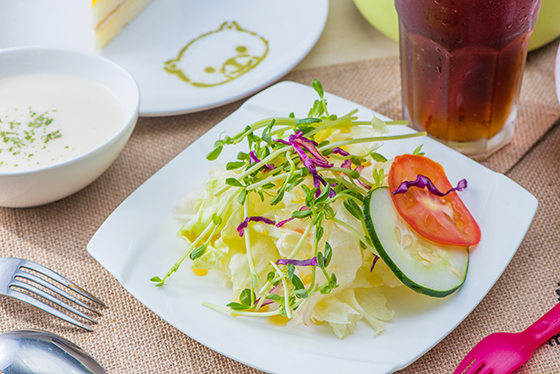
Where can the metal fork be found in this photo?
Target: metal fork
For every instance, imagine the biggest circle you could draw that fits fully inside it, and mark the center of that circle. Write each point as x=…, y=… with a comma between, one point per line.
x=12, y=268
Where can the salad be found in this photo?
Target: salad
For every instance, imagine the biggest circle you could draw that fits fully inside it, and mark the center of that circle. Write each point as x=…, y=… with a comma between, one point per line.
x=311, y=221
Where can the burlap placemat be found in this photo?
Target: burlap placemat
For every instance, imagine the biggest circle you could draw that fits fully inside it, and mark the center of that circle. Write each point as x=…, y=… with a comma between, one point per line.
x=132, y=339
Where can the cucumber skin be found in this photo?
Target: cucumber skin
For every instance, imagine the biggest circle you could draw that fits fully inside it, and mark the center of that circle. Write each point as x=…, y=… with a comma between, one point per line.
x=387, y=259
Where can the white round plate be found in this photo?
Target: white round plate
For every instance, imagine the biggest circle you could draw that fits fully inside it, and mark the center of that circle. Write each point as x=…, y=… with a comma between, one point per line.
x=235, y=48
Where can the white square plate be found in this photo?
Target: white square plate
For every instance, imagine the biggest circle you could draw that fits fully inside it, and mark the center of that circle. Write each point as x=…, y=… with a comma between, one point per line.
x=139, y=241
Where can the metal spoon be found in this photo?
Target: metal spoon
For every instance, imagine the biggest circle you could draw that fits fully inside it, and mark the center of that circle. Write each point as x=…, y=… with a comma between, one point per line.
x=40, y=352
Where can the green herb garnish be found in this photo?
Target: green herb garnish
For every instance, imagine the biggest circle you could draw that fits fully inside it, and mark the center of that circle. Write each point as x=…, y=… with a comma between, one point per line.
x=287, y=154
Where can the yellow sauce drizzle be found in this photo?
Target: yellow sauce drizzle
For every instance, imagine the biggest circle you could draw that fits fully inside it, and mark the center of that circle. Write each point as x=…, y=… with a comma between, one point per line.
x=278, y=320
x=200, y=272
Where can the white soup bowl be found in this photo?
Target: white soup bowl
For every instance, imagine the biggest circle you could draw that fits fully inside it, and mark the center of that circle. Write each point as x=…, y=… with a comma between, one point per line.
x=46, y=184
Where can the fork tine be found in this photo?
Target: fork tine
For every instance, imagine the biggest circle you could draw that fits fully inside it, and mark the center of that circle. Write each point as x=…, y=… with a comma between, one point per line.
x=487, y=370
x=54, y=288
x=60, y=279
x=463, y=365
x=475, y=368
x=47, y=308
x=38, y=291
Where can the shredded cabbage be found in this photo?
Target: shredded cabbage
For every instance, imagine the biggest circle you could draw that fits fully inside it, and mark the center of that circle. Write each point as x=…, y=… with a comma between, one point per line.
x=359, y=293
x=283, y=225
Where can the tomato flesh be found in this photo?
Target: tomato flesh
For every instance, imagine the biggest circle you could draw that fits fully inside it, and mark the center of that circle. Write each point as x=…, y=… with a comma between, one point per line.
x=442, y=219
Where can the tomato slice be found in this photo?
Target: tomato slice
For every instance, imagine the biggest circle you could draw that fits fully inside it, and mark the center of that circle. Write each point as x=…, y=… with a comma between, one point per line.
x=443, y=219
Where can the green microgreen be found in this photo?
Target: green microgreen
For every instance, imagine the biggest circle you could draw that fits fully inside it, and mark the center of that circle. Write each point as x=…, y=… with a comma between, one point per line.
x=198, y=252
x=269, y=172
x=233, y=182
x=217, y=220
x=378, y=157
x=215, y=153
x=354, y=209
x=378, y=176
x=418, y=151
x=235, y=165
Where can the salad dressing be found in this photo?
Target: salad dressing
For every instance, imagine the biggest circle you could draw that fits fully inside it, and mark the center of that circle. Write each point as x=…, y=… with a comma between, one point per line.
x=46, y=119
x=200, y=272
x=278, y=320
x=306, y=279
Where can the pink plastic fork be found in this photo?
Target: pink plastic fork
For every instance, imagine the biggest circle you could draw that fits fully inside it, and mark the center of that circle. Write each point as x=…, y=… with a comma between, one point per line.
x=502, y=352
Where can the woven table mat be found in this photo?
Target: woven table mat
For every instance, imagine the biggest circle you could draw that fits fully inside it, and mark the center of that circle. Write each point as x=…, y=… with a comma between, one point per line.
x=132, y=339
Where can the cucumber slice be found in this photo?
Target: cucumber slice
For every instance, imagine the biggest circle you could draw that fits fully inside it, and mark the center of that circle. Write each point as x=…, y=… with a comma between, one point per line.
x=426, y=267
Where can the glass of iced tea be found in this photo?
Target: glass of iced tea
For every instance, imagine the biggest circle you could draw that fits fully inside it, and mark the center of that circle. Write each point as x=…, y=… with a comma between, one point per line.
x=462, y=63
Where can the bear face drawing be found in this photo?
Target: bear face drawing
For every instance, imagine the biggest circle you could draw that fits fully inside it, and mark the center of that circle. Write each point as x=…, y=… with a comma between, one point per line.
x=219, y=56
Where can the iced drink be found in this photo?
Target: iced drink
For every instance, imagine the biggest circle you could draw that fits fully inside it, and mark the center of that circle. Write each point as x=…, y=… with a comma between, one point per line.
x=462, y=63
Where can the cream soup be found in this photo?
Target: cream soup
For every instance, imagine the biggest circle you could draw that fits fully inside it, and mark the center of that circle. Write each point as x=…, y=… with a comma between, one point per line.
x=47, y=119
